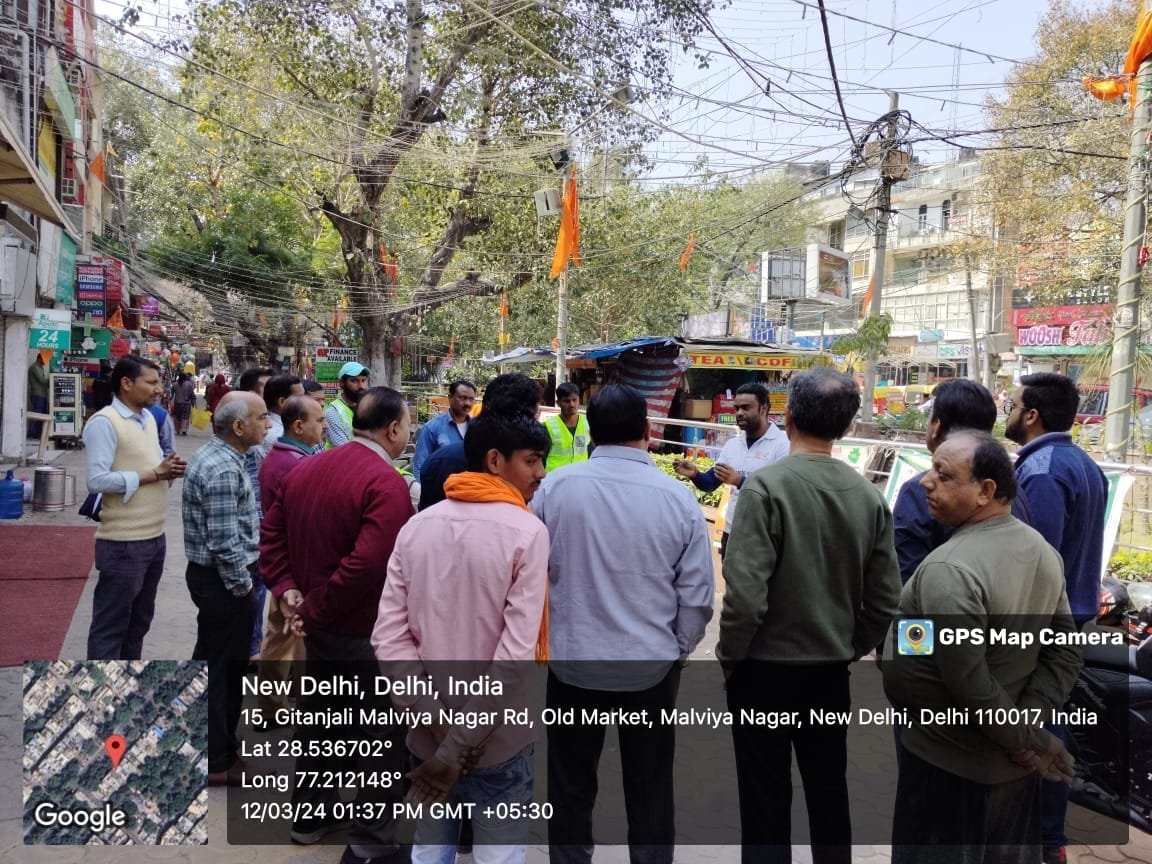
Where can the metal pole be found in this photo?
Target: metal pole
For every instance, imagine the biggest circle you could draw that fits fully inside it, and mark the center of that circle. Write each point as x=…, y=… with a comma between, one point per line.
x=989, y=328
x=884, y=205
x=562, y=328
x=974, y=360
x=1126, y=317
x=821, y=332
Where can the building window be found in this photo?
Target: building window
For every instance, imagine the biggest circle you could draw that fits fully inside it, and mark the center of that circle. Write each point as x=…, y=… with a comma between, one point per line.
x=857, y=227
x=836, y=235
x=922, y=218
x=945, y=214
x=861, y=266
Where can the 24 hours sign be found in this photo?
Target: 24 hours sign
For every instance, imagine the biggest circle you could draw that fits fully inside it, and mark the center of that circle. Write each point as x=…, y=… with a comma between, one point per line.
x=51, y=328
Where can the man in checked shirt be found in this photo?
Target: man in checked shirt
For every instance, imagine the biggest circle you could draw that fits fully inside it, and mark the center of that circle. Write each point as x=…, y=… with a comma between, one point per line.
x=221, y=543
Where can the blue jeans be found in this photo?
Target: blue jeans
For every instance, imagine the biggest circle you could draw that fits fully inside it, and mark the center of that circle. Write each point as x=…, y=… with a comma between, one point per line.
x=497, y=841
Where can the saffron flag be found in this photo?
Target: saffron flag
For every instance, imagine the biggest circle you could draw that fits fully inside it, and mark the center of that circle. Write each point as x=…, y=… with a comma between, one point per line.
x=1112, y=86
x=96, y=168
x=686, y=256
x=117, y=320
x=866, y=303
x=568, y=240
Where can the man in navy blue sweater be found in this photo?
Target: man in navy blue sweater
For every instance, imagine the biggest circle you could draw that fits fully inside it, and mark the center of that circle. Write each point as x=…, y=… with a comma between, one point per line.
x=1068, y=496
x=956, y=405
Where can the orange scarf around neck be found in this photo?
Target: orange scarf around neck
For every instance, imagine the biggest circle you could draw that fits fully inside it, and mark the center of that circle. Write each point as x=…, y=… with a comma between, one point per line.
x=481, y=487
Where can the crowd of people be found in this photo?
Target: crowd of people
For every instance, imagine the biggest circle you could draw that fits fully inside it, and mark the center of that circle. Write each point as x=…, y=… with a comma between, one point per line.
x=513, y=541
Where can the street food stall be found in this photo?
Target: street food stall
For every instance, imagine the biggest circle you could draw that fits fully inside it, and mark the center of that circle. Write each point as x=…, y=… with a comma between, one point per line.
x=688, y=378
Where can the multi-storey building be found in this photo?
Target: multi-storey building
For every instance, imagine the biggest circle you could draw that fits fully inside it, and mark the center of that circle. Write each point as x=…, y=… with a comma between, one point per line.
x=941, y=300
x=51, y=189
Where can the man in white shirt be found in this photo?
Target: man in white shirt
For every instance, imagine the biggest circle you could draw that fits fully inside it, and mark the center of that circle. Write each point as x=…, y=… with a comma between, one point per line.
x=761, y=445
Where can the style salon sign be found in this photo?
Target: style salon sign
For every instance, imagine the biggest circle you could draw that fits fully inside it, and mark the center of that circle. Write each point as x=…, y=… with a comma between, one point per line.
x=1063, y=326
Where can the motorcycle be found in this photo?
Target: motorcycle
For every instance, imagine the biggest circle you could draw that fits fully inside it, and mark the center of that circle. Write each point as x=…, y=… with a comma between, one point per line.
x=1114, y=755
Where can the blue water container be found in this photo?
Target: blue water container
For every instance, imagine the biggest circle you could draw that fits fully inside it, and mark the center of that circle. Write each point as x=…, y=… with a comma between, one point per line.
x=11, y=497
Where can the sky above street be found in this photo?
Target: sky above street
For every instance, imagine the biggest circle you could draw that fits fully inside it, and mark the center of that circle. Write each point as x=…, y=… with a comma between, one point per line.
x=767, y=95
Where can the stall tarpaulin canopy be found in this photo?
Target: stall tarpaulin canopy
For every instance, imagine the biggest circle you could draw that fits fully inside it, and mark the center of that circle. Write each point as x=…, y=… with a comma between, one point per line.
x=523, y=355
x=645, y=364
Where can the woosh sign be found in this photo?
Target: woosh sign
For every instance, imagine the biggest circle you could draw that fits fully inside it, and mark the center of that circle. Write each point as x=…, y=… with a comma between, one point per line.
x=51, y=328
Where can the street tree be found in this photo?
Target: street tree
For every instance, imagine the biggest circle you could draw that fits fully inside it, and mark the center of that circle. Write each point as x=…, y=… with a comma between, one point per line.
x=630, y=282
x=365, y=99
x=207, y=209
x=1056, y=178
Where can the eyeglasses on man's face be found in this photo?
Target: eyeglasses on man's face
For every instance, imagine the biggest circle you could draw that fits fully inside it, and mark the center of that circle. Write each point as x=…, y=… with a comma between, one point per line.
x=1009, y=406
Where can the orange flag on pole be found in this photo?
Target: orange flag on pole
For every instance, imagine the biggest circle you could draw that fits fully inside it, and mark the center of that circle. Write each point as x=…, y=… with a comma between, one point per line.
x=866, y=303
x=686, y=256
x=96, y=168
x=568, y=240
x=116, y=320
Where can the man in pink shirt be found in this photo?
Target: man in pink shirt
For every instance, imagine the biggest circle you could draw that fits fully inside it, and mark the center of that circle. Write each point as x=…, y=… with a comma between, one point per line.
x=492, y=627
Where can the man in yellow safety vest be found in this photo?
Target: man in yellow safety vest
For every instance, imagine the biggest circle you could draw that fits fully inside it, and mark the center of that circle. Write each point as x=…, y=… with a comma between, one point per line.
x=568, y=430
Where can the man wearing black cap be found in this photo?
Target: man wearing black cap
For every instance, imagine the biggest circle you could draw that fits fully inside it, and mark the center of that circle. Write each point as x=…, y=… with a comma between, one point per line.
x=353, y=380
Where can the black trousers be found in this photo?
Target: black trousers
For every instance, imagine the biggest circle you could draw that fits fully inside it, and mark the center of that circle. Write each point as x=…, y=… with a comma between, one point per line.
x=764, y=760
x=334, y=656
x=646, y=757
x=125, y=598
x=223, y=630
x=941, y=818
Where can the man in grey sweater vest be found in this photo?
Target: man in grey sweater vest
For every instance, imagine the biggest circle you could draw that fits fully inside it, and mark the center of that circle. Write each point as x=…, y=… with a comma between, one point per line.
x=812, y=585
x=125, y=465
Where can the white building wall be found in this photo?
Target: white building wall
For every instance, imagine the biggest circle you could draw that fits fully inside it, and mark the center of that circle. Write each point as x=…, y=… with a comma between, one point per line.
x=15, y=387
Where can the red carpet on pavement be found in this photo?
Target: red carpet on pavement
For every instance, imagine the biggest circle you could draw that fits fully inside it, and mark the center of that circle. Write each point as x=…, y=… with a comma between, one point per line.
x=43, y=569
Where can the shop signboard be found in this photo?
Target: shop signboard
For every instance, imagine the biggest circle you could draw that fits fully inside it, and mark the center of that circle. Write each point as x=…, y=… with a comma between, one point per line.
x=740, y=360
x=327, y=363
x=113, y=283
x=1062, y=329
x=89, y=347
x=51, y=329
x=954, y=352
x=66, y=271
x=90, y=293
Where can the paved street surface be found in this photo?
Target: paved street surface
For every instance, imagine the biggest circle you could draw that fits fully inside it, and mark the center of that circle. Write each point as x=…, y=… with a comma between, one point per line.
x=172, y=637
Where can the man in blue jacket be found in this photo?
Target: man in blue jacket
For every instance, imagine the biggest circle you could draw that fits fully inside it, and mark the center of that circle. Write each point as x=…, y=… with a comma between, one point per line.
x=956, y=405
x=1068, y=496
x=448, y=428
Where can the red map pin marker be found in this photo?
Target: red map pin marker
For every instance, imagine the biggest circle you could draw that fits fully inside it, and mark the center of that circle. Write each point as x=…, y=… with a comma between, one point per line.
x=115, y=745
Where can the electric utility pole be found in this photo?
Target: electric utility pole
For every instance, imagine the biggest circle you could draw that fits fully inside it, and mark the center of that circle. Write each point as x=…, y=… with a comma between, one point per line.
x=880, y=245
x=1126, y=316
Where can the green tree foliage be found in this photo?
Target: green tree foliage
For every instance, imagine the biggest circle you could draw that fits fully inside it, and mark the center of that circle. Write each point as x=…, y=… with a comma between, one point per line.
x=1056, y=182
x=869, y=342
x=630, y=283
x=211, y=209
x=406, y=128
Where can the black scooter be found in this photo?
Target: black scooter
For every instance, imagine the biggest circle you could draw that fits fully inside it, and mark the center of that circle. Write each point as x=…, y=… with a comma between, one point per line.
x=1114, y=757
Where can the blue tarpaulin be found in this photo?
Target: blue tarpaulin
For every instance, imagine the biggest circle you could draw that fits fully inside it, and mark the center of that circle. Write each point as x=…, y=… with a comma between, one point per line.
x=597, y=352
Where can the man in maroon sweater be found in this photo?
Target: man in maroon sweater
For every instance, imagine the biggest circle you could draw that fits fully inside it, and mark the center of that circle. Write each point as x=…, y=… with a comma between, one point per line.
x=329, y=537
x=304, y=428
